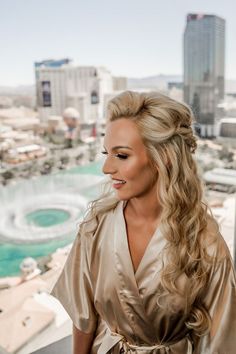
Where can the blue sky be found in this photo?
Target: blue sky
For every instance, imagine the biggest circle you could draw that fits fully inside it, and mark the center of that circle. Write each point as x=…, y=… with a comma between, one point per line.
x=130, y=37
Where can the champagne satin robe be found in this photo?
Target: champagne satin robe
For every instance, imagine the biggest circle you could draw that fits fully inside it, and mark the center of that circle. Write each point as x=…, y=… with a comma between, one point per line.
x=101, y=293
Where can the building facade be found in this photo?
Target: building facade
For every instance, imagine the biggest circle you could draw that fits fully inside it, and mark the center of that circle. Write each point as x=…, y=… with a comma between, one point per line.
x=120, y=83
x=204, y=67
x=51, y=90
x=61, y=84
x=226, y=132
x=86, y=87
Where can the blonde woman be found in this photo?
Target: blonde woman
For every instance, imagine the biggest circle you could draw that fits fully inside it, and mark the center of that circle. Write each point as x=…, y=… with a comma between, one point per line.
x=149, y=271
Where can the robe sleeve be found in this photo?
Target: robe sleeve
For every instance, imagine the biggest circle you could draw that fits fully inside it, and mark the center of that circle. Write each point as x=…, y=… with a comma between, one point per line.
x=220, y=302
x=74, y=287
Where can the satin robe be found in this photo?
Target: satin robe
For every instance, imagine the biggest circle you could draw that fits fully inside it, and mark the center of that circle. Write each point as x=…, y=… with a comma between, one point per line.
x=102, y=294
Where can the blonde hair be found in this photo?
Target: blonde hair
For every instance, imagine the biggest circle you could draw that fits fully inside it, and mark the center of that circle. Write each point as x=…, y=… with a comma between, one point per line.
x=165, y=127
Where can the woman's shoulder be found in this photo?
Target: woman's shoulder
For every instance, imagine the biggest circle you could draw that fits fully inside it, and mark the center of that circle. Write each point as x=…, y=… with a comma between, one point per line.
x=98, y=215
x=94, y=231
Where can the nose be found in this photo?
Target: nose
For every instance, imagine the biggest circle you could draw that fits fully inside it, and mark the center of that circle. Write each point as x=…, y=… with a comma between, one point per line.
x=109, y=166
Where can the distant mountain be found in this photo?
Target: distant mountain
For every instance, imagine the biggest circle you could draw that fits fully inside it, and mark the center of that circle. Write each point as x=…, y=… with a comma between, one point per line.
x=154, y=82
x=160, y=82
x=18, y=96
x=24, y=90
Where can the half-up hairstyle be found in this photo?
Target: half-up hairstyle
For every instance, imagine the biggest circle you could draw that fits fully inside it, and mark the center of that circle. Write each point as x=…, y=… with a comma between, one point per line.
x=165, y=126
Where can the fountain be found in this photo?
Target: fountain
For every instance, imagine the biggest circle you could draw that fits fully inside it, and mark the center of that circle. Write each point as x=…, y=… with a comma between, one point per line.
x=39, y=215
x=44, y=208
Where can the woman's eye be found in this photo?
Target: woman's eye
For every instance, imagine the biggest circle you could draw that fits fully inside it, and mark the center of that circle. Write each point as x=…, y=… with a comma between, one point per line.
x=121, y=156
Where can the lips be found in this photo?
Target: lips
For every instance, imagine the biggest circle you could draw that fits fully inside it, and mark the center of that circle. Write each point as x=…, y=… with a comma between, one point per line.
x=118, y=181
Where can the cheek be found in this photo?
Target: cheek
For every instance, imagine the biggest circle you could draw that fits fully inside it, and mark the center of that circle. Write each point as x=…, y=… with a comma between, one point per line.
x=137, y=170
x=147, y=176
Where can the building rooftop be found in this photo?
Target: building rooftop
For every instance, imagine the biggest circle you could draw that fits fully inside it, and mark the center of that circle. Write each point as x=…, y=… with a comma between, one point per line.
x=228, y=120
x=28, y=310
x=22, y=322
x=221, y=176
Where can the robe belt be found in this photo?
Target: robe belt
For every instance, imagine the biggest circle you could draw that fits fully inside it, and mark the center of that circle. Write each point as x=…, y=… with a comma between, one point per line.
x=112, y=338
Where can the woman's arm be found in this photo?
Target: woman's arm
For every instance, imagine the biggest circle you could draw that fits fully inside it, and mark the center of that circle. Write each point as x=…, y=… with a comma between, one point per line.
x=82, y=342
x=220, y=302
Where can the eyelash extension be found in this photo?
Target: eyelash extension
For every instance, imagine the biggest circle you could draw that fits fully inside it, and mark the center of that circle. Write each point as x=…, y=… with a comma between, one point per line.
x=120, y=156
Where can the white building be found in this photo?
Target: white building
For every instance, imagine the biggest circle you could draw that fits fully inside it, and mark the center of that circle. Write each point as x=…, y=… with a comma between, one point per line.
x=61, y=84
x=226, y=131
x=120, y=83
x=221, y=179
x=228, y=107
x=86, y=88
x=80, y=103
x=51, y=87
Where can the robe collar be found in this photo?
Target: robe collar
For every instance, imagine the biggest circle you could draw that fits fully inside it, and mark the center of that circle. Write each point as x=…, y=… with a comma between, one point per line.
x=151, y=261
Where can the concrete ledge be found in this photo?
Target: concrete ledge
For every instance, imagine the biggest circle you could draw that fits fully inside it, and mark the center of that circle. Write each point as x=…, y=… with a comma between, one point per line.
x=63, y=346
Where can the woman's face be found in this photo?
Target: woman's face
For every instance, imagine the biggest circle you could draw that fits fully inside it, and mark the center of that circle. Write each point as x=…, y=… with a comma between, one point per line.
x=127, y=161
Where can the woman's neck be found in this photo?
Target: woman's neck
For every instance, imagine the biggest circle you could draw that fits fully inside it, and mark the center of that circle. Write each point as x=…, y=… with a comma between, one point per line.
x=144, y=208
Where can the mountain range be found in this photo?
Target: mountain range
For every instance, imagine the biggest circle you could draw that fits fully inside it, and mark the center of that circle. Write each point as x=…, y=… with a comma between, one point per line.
x=158, y=82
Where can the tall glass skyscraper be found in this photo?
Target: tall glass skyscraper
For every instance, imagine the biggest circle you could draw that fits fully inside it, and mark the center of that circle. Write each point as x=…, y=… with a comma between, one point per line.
x=204, y=62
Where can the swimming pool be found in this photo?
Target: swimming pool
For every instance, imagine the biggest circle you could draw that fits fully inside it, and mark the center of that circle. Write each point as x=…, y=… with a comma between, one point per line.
x=40, y=215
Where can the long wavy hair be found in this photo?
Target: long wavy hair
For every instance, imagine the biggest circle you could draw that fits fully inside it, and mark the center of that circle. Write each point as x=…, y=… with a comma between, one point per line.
x=165, y=127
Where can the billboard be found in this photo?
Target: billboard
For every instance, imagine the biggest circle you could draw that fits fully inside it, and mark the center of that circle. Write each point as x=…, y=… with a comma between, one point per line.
x=94, y=97
x=46, y=93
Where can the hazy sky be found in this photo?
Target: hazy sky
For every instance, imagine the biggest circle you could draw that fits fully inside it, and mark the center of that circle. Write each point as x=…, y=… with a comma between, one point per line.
x=134, y=38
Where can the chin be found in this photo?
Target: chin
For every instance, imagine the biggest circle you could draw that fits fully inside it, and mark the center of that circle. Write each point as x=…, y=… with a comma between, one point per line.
x=122, y=197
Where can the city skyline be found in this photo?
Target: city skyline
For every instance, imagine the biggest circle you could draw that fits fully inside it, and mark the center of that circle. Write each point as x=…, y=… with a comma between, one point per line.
x=129, y=39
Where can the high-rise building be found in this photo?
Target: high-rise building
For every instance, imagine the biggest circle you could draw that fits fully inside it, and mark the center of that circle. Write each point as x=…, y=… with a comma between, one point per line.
x=60, y=85
x=51, y=86
x=204, y=65
x=86, y=87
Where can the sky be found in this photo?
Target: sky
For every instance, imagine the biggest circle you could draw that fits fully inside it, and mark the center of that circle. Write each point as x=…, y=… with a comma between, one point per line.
x=134, y=38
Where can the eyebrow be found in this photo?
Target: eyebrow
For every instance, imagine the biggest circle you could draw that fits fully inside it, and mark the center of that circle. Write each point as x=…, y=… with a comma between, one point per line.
x=119, y=147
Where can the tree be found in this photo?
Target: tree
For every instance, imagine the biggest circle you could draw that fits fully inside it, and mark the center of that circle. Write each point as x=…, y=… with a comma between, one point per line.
x=65, y=159
x=226, y=154
x=47, y=166
x=7, y=175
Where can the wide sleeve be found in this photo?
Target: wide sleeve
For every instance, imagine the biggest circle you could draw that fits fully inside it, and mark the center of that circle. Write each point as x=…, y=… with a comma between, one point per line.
x=74, y=288
x=220, y=302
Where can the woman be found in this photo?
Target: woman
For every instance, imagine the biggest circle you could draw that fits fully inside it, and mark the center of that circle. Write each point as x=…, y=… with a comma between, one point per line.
x=149, y=271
